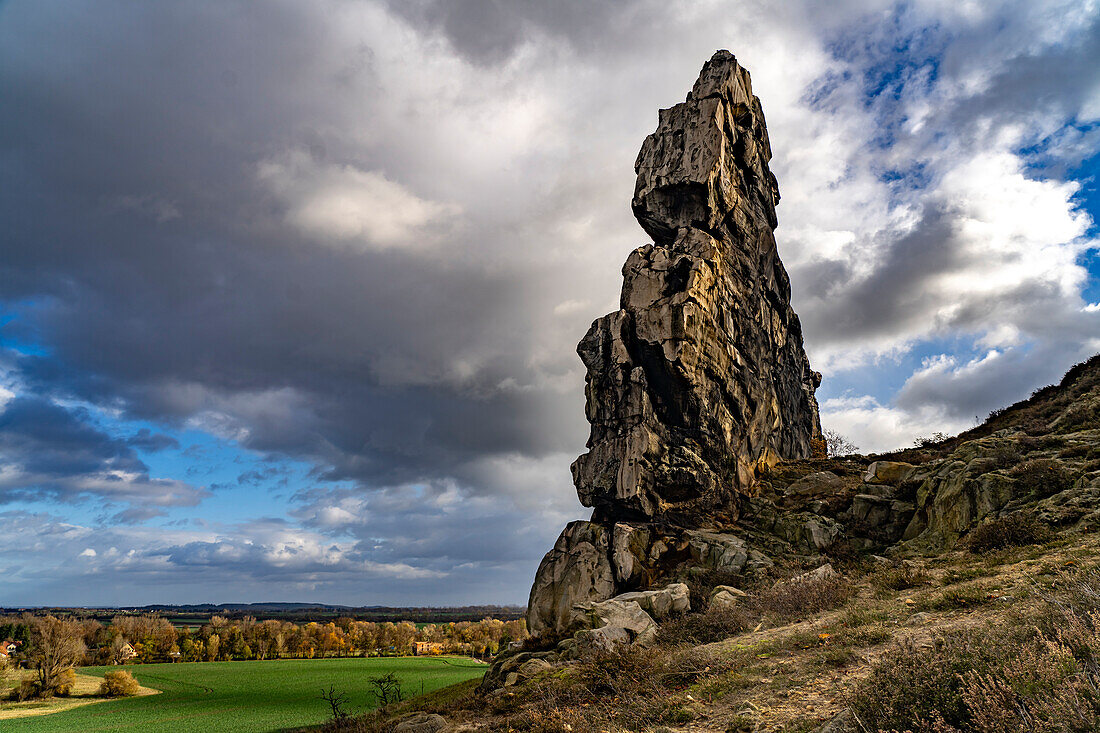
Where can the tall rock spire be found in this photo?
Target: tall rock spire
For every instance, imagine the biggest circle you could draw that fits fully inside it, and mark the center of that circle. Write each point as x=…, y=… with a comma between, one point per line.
x=699, y=379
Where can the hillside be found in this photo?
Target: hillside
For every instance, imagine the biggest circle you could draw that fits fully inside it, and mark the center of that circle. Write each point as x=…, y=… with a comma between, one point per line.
x=962, y=582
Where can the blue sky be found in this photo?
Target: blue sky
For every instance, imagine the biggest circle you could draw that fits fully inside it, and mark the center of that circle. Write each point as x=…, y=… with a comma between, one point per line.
x=291, y=292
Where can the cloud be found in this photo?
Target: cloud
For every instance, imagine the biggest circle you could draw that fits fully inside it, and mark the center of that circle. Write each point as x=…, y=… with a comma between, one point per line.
x=368, y=236
x=345, y=204
x=50, y=452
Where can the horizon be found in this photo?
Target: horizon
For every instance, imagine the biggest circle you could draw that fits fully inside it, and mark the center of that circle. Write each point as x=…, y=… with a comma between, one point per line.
x=290, y=295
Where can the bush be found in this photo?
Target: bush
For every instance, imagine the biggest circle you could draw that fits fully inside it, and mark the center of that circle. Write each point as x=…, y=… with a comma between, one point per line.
x=1041, y=674
x=703, y=628
x=1042, y=477
x=1011, y=531
x=911, y=687
x=700, y=585
x=64, y=683
x=119, y=683
x=26, y=690
x=796, y=600
x=900, y=578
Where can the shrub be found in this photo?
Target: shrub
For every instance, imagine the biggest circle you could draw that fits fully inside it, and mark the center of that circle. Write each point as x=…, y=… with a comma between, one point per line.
x=1013, y=530
x=1042, y=477
x=1041, y=674
x=703, y=628
x=899, y=578
x=26, y=690
x=796, y=600
x=64, y=683
x=1005, y=456
x=119, y=683
x=912, y=686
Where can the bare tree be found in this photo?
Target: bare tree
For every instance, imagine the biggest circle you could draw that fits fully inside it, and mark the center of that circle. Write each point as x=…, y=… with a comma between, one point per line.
x=387, y=688
x=837, y=444
x=337, y=701
x=56, y=646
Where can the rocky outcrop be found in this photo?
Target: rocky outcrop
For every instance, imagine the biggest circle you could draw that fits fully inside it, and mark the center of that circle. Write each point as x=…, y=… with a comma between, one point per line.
x=700, y=378
x=699, y=381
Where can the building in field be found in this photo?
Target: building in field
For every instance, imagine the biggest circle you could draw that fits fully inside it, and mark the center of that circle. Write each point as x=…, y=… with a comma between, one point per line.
x=427, y=648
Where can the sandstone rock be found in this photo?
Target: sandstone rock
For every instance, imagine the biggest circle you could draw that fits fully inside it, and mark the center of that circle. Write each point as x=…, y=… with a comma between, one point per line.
x=421, y=723
x=625, y=614
x=698, y=381
x=724, y=597
x=725, y=553
x=630, y=546
x=822, y=483
x=533, y=667
x=663, y=603
x=606, y=638
x=887, y=472
x=576, y=571
x=700, y=377
x=824, y=572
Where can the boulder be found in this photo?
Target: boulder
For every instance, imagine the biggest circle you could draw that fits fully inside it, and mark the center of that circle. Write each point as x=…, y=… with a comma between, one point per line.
x=725, y=553
x=821, y=483
x=576, y=571
x=618, y=613
x=421, y=723
x=887, y=472
x=663, y=603
x=825, y=572
x=725, y=597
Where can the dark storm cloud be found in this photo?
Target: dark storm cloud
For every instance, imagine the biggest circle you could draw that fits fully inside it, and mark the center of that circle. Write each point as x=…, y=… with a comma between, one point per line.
x=144, y=254
x=51, y=452
x=151, y=442
x=490, y=31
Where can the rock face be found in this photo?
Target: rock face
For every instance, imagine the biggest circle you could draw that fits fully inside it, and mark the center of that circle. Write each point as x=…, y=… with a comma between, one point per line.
x=699, y=380
x=700, y=377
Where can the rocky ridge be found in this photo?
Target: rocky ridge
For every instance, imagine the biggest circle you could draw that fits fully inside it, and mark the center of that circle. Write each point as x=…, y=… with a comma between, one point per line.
x=699, y=382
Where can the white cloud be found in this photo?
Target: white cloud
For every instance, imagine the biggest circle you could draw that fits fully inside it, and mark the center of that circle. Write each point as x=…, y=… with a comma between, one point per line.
x=342, y=203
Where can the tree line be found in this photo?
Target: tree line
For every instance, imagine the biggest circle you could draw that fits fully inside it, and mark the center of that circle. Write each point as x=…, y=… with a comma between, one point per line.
x=151, y=638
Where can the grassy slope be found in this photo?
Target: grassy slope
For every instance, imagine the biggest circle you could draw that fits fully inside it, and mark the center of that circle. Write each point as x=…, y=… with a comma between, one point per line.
x=247, y=696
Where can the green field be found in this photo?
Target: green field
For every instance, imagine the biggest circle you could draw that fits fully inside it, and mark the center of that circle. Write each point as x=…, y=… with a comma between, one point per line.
x=246, y=696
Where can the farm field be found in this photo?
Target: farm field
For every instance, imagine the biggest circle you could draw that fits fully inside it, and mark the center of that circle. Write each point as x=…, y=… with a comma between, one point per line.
x=247, y=697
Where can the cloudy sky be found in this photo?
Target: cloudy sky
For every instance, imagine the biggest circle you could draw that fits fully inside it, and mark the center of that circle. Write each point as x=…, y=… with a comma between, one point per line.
x=289, y=292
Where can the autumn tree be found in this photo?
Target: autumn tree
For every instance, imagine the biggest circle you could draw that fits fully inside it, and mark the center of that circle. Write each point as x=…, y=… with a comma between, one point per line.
x=56, y=646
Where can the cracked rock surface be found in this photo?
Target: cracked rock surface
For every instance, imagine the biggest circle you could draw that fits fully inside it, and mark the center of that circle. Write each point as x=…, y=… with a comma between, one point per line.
x=699, y=381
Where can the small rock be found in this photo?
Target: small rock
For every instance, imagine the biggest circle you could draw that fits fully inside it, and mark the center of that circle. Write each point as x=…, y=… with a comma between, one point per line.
x=917, y=619
x=421, y=723
x=824, y=572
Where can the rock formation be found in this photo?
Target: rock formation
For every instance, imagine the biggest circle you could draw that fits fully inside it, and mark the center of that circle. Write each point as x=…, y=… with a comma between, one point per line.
x=699, y=380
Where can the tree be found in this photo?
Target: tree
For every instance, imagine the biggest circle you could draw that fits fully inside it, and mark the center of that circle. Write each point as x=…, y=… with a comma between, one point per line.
x=337, y=701
x=387, y=688
x=837, y=444
x=56, y=647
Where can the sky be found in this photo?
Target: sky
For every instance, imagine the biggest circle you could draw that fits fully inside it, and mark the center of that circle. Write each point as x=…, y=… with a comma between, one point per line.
x=290, y=292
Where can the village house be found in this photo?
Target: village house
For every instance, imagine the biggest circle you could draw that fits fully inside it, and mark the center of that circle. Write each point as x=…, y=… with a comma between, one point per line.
x=426, y=648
